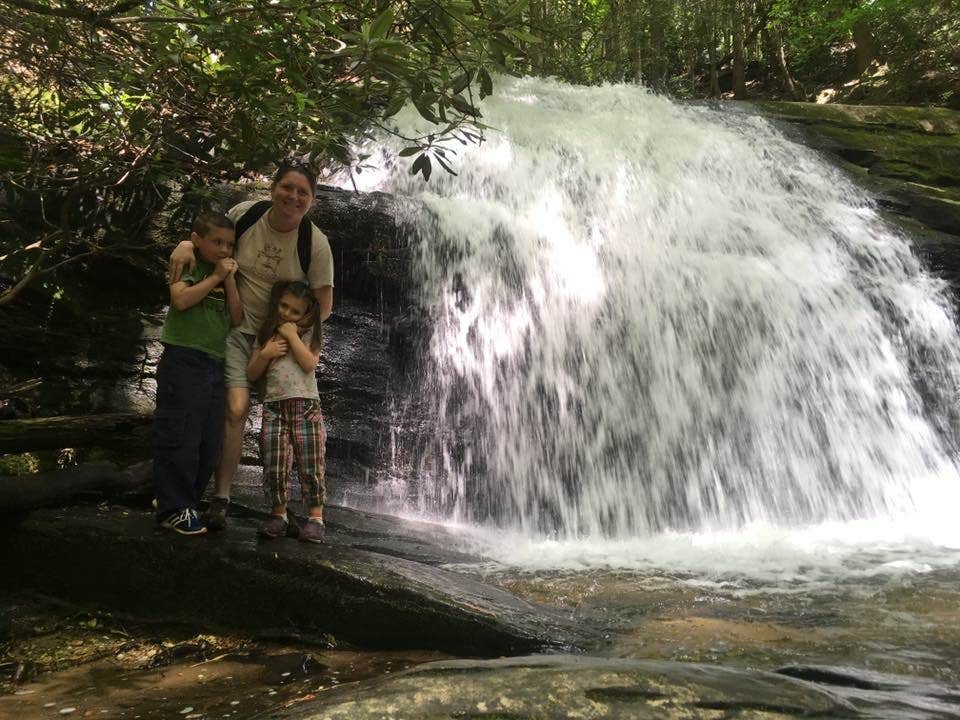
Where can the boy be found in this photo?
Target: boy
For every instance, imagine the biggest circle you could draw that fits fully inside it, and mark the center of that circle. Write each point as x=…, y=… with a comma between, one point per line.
x=204, y=305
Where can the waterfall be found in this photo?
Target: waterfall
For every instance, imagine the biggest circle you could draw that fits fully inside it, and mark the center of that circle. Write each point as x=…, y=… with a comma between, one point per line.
x=651, y=316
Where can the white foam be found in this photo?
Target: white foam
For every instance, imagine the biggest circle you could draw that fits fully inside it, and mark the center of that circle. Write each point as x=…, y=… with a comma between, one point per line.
x=649, y=316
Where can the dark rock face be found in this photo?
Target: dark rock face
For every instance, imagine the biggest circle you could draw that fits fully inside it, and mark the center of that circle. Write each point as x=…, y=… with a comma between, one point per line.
x=346, y=592
x=369, y=251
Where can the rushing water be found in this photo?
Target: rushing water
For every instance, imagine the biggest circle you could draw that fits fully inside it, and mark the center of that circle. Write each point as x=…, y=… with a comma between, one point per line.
x=686, y=384
x=652, y=318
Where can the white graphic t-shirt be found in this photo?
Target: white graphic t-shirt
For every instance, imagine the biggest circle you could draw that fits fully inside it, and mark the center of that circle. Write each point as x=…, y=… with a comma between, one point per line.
x=266, y=256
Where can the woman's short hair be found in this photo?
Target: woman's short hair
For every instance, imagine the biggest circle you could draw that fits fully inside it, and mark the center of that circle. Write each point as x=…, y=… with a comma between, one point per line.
x=303, y=167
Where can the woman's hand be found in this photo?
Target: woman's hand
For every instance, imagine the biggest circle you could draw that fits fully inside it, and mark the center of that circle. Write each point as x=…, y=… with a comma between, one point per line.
x=181, y=257
x=275, y=347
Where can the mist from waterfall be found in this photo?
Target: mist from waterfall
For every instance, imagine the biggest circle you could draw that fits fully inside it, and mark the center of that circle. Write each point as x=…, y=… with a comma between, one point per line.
x=649, y=316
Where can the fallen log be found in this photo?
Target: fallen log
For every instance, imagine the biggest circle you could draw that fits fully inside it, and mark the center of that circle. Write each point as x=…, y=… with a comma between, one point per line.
x=51, y=433
x=26, y=492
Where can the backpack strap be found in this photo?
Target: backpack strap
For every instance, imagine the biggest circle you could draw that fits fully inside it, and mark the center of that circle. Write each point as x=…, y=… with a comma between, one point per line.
x=305, y=244
x=304, y=232
x=250, y=217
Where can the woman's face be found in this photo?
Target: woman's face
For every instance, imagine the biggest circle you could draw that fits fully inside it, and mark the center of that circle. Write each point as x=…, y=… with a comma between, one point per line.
x=292, y=197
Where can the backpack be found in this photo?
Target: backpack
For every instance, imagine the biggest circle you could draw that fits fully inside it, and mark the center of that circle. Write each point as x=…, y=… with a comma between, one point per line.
x=304, y=232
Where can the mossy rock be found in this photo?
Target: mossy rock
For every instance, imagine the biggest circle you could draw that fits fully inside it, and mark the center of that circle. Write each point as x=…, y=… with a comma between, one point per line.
x=909, y=154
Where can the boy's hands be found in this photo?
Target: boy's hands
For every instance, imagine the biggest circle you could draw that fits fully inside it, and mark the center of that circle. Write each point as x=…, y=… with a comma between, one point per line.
x=225, y=268
x=288, y=331
x=274, y=348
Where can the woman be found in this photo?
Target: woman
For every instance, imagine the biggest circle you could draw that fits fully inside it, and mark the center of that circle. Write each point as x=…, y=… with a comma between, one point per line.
x=267, y=252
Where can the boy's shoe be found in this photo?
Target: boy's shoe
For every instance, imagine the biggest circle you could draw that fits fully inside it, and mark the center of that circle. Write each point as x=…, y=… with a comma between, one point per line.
x=312, y=531
x=185, y=522
x=274, y=527
x=216, y=515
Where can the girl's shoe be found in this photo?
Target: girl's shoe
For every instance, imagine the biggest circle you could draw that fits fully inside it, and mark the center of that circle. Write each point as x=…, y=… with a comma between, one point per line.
x=185, y=522
x=312, y=531
x=274, y=527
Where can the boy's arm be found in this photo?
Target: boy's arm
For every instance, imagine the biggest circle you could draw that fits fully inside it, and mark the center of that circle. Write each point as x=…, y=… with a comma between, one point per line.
x=233, y=299
x=305, y=357
x=183, y=296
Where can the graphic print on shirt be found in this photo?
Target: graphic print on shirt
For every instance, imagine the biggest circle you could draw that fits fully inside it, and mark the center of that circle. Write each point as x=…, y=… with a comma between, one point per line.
x=268, y=259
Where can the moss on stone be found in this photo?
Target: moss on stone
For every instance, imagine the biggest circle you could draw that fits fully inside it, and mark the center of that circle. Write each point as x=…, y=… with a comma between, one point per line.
x=927, y=120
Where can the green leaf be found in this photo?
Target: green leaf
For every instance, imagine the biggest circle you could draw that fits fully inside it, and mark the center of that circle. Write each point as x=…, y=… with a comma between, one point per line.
x=522, y=35
x=395, y=105
x=486, y=83
x=463, y=106
x=461, y=82
x=408, y=151
x=515, y=9
x=444, y=165
x=422, y=165
x=380, y=26
x=425, y=111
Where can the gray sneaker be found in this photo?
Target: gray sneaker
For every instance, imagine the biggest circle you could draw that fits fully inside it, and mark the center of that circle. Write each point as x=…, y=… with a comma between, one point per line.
x=274, y=527
x=312, y=531
x=215, y=518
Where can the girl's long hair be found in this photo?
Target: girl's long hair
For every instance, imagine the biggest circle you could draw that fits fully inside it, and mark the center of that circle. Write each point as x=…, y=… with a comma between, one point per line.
x=301, y=291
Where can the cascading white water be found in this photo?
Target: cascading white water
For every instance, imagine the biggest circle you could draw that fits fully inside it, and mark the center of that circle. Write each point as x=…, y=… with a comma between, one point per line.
x=650, y=316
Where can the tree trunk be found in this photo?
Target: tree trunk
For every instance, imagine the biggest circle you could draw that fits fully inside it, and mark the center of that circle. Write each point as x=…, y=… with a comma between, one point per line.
x=712, y=57
x=776, y=56
x=53, y=433
x=26, y=492
x=739, y=62
x=865, y=46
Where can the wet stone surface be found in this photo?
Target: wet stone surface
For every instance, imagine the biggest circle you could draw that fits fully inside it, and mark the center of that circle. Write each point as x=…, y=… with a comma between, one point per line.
x=102, y=667
x=548, y=687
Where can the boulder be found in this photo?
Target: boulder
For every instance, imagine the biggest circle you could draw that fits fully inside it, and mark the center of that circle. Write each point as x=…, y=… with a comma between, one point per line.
x=565, y=686
x=115, y=558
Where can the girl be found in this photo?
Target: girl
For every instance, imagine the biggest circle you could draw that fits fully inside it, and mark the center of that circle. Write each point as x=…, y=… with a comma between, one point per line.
x=286, y=352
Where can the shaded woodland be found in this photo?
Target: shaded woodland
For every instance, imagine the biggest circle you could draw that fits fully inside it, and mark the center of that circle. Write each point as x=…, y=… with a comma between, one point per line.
x=115, y=116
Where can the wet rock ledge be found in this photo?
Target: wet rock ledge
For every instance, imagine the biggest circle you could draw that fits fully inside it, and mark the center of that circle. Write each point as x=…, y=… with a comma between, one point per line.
x=564, y=686
x=375, y=584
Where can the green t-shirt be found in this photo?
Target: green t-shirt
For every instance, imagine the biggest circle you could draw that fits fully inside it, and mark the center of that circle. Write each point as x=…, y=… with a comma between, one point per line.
x=204, y=326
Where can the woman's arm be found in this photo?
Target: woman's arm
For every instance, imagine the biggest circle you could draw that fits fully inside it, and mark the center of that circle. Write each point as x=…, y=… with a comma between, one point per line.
x=233, y=298
x=181, y=258
x=324, y=296
x=305, y=357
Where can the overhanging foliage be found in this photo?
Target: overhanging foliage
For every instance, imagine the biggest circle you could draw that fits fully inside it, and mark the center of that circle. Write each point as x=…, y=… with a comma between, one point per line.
x=104, y=105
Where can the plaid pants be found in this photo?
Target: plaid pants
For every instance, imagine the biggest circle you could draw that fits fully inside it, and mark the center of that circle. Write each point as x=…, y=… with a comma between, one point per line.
x=293, y=428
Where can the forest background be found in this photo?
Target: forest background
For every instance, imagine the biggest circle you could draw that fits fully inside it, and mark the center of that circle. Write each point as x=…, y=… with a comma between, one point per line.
x=116, y=113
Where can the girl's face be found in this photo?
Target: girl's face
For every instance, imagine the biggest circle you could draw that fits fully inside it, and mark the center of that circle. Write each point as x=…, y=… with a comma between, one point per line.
x=292, y=308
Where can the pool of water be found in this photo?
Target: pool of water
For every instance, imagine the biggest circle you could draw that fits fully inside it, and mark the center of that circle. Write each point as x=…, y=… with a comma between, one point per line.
x=867, y=595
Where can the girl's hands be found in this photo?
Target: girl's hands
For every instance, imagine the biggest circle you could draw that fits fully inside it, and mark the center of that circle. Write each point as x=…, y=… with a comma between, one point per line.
x=276, y=347
x=288, y=331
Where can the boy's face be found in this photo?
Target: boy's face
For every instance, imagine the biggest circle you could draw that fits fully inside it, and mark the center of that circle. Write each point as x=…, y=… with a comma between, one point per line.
x=216, y=245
